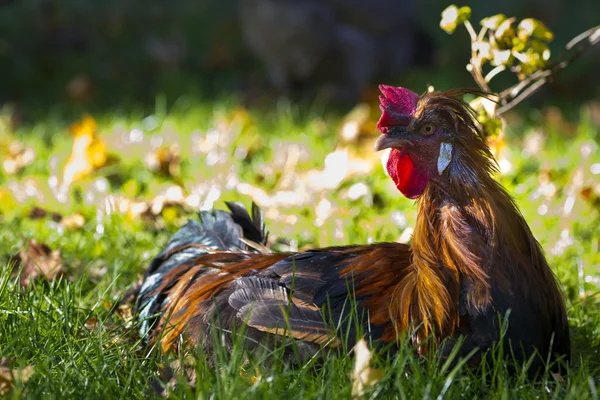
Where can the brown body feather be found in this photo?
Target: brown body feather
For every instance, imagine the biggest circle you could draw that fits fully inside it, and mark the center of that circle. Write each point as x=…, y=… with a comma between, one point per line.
x=473, y=258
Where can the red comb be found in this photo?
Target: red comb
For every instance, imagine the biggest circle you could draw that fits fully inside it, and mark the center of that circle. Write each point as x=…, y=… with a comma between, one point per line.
x=397, y=106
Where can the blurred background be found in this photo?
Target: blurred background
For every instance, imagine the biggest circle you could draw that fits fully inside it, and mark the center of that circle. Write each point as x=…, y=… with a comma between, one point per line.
x=92, y=55
x=129, y=115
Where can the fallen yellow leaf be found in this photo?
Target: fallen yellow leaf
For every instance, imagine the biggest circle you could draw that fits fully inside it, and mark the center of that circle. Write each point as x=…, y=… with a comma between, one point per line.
x=74, y=221
x=88, y=152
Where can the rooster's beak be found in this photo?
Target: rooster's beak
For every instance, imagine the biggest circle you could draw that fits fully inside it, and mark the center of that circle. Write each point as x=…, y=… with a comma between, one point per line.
x=394, y=140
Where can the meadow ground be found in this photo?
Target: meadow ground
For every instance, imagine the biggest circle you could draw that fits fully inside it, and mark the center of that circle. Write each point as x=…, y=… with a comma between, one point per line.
x=136, y=177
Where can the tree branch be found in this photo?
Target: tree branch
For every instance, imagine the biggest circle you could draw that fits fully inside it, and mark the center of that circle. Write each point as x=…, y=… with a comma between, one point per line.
x=527, y=87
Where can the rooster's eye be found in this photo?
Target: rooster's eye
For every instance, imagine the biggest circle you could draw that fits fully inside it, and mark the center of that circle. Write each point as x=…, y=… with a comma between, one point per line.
x=427, y=129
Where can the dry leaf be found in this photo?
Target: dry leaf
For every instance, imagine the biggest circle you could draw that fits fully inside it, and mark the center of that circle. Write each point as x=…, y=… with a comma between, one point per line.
x=170, y=376
x=91, y=324
x=165, y=159
x=170, y=196
x=252, y=378
x=39, y=213
x=74, y=221
x=39, y=261
x=358, y=122
x=559, y=377
x=9, y=376
x=125, y=312
x=88, y=153
x=339, y=165
x=16, y=157
x=363, y=376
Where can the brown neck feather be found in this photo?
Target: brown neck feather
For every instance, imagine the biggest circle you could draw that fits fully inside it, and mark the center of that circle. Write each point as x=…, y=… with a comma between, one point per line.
x=470, y=232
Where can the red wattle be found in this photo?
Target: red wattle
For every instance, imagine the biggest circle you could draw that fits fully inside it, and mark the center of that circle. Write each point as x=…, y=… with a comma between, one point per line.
x=408, y=179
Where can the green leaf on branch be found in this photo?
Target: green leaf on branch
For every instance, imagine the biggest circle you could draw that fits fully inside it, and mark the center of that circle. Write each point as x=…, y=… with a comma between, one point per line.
x=493, y=22
x=532, y=59
x=531, y=27
x=501, y=57
x=483, y=49
x=505, y=33
x=453, y=16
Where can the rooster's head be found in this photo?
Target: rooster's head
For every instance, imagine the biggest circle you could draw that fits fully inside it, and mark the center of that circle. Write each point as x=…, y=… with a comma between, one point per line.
x=427, y=135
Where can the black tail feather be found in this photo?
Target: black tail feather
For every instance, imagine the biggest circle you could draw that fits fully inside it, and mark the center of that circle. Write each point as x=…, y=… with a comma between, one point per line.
x=216, y=230
x=253, y=227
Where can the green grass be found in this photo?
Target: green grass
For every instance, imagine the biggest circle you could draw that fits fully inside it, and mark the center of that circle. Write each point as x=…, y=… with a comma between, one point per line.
x=45, y=325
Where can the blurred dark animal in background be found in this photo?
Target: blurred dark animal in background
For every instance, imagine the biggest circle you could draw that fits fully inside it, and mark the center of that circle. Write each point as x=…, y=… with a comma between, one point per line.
x=337, y=45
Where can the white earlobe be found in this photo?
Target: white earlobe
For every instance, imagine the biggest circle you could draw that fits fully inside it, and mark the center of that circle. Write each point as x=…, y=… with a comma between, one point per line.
x=445, y=157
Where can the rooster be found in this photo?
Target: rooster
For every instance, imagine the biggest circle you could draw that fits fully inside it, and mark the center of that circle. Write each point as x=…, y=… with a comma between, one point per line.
x=473, y=261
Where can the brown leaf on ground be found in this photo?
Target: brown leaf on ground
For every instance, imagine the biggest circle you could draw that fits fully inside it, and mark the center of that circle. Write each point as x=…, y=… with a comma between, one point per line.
x=38, y=261
x=8, y=376
x=165, y=160
x=124, y=308
x=172, y=374
x=92, y=323
x=39, y=213
x=125, y=312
